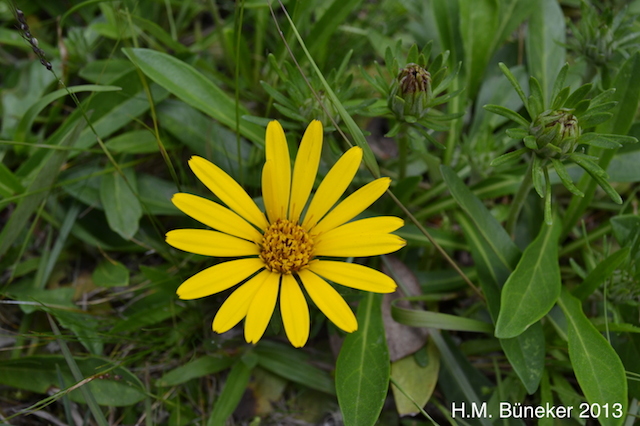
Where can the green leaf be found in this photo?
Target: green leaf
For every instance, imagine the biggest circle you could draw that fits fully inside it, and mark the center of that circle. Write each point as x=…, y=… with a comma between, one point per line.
x=490, y=229
x=134, y=142
x=200, y=367
x=506, y=112
x=627, y=94
x=118, y=387
x=537, y=174
x=352, y=127
x=446, y=19
x=362, y=369
x=561, y=170
x=601, y=272
x=110, y=274
x=544, y=44
x=599, y=175
x=526, y=354
x=27, y=119
x=38, y=190
x=526, y=351
x=192, y=87
x=459, y=380
x=600, y=141
x=121, y=206
x=334, y=15
x=509, y=157
x=597, y=367
x=293, y=365
x=484, y=26
x=534, y=286
x=536, y=99
x=578, y=96
x=428, y=319
x=417, y=381
x=516, y=85
x=234, y=388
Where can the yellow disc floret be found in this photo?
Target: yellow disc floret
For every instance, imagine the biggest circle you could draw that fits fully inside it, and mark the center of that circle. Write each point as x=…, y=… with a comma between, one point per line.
x=286, y=247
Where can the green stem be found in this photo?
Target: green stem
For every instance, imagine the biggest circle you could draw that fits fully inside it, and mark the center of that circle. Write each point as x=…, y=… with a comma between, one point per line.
x=519, y=199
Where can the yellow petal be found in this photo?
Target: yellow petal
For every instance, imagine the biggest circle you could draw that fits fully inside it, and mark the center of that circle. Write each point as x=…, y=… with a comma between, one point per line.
x=216, y=216
x=333, y=186
x=237, y=305
x=261, y=308
x=270, y=195
x=210, y=243
x=365, y=237
x=329, y=301
x=294, y=310
x=305, y=169
x=218, y=278
x=366, y=245
x=353, y=205
x=279, y=178
x=353, y=275
x=228, y=190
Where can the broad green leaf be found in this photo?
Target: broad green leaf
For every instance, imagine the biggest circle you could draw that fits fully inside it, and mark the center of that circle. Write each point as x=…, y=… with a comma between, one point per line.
x=192, y=87
x=446, y=16
x=526, y=354
x=362, y=369
x=479, y=21
x=292, y=364
x=203, y=366
x=111, y=111
x=600, y=273
x=112, y=385
x=121, y=206
x=493, y=233
x=417, y=381
x=597, y=367
x=533, y=287
x=526, y=351
x=105, y=71
x=234, y=388
x=545, y=52
x=110, y=274
x=485, y=25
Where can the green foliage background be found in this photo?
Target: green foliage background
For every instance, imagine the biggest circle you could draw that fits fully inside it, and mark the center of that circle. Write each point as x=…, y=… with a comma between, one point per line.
x=496, y=304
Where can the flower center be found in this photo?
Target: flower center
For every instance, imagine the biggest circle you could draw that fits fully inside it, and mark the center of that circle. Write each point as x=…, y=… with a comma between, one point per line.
x=286, y=247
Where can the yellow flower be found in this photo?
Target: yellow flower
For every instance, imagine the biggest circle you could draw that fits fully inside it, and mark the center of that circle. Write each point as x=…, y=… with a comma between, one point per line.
x=285, y=248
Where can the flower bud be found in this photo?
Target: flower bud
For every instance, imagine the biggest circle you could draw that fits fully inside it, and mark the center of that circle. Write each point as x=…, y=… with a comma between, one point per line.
x=556, y=133
x=410, y=93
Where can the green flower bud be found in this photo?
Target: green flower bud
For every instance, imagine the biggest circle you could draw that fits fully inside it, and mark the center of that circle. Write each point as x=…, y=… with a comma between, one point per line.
x=411, y=93
x=556, y=133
